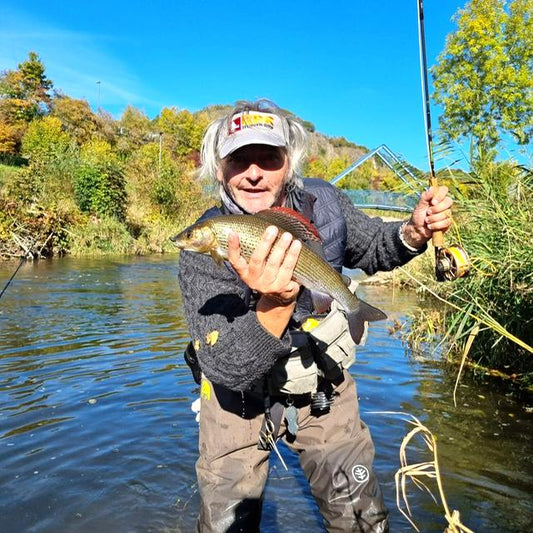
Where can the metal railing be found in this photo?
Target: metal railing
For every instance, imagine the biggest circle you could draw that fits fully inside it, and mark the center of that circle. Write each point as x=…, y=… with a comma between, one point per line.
x=385, y=200
x=391, y=160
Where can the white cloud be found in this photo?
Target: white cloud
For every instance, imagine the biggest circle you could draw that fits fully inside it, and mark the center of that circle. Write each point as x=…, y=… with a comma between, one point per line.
x=74, y=61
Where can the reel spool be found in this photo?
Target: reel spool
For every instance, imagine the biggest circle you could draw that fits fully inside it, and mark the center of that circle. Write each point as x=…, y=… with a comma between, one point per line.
x=451, y=263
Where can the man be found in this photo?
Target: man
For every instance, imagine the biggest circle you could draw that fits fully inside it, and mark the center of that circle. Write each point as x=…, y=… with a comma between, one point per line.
x=266, y=373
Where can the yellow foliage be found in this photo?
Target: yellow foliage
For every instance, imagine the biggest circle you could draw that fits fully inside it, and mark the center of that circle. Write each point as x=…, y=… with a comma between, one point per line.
x=8, y=139
x=45, y=137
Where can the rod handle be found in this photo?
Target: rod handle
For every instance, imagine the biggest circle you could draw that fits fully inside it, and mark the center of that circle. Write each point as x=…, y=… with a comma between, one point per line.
x=438, y=236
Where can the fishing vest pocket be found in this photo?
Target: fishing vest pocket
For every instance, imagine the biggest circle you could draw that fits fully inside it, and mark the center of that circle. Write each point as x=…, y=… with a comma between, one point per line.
x=325, y=350
x=297, y=373
x=333, y=345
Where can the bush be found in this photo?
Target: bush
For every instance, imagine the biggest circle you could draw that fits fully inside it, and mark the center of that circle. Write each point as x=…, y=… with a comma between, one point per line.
x=100, y=186
x=33, y=232
x=53, y=161
x=101, y=191
x=45, y=139
x=100, y=236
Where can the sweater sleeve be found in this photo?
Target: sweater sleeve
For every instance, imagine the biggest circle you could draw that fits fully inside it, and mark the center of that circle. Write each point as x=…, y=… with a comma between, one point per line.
x=241, y=350
x=372, y=244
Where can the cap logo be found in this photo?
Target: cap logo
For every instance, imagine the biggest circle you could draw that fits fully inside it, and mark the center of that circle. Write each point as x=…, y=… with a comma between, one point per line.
x=249, y=120
x=252, y=127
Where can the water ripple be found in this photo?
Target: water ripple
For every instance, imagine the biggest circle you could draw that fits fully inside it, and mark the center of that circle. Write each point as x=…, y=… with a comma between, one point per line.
x=96, y=431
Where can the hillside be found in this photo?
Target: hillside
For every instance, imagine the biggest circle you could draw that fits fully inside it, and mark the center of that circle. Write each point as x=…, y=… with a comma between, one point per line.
x=77, y=181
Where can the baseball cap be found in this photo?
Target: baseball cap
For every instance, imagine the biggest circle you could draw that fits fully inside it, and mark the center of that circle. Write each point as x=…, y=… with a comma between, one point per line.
x=252, y=127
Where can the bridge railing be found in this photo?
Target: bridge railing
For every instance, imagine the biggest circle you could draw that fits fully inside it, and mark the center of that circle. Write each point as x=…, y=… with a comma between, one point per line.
x=384, y=200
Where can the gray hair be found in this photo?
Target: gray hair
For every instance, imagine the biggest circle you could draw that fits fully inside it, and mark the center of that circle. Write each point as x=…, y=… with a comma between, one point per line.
x=296, y=148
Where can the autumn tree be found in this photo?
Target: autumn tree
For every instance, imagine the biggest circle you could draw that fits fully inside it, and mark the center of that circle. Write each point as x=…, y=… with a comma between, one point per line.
x=484, y=77
x=25, y=92
x=24, y=95
x=9, y=139
x=183, y=131
x=45, y=138
x=76, y=117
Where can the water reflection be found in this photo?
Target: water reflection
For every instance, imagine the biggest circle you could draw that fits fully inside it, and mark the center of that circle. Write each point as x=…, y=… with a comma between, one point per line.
x=96, y=431
x=485, y=445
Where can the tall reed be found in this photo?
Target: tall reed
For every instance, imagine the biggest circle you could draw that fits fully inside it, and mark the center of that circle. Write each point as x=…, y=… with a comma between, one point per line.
x=496, y=300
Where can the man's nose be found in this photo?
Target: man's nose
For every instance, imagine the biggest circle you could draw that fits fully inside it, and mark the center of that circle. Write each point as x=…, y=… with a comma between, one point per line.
x=255, y=172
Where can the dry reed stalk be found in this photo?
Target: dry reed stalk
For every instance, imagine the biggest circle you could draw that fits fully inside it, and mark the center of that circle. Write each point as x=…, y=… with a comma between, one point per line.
x=418, y=471
x=469, y=342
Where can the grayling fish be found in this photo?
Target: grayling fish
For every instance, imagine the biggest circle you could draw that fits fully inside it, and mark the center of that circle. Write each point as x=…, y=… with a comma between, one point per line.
x=210, y=236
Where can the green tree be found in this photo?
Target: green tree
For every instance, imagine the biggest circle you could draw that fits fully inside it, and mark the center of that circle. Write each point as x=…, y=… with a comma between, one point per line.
x=519, y=39
x=484, y=77
x=135, y=130
x=100, y=186
x=25, y=92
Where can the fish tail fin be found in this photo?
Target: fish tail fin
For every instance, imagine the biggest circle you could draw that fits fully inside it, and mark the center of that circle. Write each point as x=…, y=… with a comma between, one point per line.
x=364, y=313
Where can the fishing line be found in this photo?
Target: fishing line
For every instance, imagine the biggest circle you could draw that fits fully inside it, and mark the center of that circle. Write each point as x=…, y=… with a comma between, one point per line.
x=22, y=259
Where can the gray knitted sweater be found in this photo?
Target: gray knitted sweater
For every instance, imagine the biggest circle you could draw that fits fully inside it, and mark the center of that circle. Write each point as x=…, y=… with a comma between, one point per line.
x=215, y=299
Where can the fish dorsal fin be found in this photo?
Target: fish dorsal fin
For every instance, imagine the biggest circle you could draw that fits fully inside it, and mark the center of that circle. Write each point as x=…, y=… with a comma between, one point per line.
x=289, y=220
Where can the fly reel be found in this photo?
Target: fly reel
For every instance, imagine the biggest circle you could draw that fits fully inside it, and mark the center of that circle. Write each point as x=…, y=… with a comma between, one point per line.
x=451, y=263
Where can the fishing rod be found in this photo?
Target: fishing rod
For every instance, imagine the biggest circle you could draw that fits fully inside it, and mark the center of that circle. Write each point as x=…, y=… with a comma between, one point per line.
x=22, y=259
x=450, y=262
x=12, y=276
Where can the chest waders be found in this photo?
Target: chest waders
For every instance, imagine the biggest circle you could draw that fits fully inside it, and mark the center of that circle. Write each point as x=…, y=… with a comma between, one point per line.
x=322, y=349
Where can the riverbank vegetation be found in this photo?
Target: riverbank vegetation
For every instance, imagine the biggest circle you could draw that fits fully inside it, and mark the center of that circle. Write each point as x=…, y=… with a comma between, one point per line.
x=490, y=310
x=483, y=80
x=82, y=182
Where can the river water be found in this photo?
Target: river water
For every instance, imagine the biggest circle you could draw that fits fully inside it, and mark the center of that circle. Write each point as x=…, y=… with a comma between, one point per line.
x=96, y=432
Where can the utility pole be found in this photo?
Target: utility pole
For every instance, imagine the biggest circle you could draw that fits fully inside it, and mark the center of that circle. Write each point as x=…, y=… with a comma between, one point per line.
x=98, y=83
x=160, y=151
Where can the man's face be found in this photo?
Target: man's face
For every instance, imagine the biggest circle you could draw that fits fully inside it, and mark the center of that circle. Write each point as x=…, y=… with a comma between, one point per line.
x=255, y=176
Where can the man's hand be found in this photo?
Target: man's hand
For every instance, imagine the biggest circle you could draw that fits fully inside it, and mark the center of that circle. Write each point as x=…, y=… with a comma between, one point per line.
x=269, y=272
x=432, y=213
x=271, y=265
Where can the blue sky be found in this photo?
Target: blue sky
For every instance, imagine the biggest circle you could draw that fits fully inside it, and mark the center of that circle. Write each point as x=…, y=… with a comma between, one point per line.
x=350, y=67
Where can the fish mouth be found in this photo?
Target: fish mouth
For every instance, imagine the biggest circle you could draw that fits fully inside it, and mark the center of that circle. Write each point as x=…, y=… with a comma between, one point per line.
x=178, y=240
